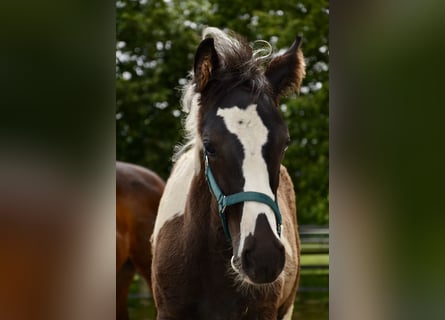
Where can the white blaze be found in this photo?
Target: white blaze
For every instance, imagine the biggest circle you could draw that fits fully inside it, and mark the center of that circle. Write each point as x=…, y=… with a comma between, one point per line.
x=247, y=125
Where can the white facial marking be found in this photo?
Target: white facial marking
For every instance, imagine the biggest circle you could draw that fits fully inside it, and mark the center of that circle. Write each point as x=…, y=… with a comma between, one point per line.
x=247, y=125
x=175, y=193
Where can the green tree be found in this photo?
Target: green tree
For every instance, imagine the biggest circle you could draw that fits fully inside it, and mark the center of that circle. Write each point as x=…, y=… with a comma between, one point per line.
x=156, y=41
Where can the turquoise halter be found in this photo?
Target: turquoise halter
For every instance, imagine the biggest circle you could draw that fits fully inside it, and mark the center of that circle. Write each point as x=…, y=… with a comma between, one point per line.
x=225, y=201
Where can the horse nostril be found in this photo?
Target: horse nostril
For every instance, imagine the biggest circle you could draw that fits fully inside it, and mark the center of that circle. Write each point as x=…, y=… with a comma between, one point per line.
x=281, y=256
x=281, y=249
x=246, y=259
x=247, y=255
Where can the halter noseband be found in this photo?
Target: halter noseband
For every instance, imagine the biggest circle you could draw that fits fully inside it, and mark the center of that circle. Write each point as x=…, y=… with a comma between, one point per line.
x=225, y=201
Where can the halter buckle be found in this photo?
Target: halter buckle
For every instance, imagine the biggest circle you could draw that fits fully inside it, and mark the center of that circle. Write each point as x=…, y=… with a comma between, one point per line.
x=222, y=204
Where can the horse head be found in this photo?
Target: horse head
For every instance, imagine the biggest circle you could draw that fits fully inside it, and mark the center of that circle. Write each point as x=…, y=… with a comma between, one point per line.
x=243, y=138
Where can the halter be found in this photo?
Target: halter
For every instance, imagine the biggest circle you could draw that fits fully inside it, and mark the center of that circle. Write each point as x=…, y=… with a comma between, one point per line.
x=225, y=201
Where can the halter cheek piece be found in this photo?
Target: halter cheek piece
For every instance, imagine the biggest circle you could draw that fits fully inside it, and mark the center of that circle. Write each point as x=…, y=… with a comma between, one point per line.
x=225, y=201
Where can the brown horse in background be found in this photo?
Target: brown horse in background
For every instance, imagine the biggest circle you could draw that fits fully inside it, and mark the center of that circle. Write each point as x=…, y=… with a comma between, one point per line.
x=138, y=191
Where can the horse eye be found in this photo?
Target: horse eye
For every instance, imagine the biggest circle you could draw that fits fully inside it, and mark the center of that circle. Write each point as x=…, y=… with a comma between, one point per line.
x=288, y=141
x=210, y=150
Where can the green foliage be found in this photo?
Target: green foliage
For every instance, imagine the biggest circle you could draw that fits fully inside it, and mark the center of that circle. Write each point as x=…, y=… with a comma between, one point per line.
x=155, y=46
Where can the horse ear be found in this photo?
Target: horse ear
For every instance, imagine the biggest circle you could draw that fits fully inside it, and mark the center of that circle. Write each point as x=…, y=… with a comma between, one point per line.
x=286, y=71
x=206, y=62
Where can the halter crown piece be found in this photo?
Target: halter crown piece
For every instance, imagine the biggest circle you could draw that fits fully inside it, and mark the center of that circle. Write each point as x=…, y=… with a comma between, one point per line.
x=225, y=201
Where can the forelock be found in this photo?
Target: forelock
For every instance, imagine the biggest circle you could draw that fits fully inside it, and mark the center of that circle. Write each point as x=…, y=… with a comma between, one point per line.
x=239, y=63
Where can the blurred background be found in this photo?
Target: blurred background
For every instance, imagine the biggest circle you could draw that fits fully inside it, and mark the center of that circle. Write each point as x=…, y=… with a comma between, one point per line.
x=155, y=46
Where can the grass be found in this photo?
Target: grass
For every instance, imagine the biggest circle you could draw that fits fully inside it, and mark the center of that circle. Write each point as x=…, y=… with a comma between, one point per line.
x=314, y=259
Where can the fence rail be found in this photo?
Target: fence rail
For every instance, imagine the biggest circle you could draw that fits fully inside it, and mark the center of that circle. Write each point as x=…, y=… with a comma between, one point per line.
x=314, y=241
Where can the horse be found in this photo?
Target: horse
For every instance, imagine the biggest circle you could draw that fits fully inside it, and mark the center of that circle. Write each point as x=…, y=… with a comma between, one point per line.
x=225, y=242
x=138, y=192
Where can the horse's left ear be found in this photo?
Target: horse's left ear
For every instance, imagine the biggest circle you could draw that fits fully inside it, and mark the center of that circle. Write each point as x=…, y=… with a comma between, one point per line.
x=286, y=71
x=206, y=63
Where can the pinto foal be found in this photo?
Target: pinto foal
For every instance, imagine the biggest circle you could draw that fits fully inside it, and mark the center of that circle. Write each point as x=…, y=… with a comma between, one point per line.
x=225, y=243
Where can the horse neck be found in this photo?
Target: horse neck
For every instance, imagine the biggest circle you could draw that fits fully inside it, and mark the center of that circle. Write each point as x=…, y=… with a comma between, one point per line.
x=201, y=214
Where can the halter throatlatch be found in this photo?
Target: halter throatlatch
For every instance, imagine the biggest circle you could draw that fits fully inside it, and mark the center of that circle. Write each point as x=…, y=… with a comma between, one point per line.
x=225, y=201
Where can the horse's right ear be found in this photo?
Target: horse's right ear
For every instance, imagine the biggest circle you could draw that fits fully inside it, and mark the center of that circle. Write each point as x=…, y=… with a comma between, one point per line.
x=206, y=63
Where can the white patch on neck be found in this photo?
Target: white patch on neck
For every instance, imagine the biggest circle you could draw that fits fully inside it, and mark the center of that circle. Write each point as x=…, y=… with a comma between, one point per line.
x=247, y=125
x=175, y=193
